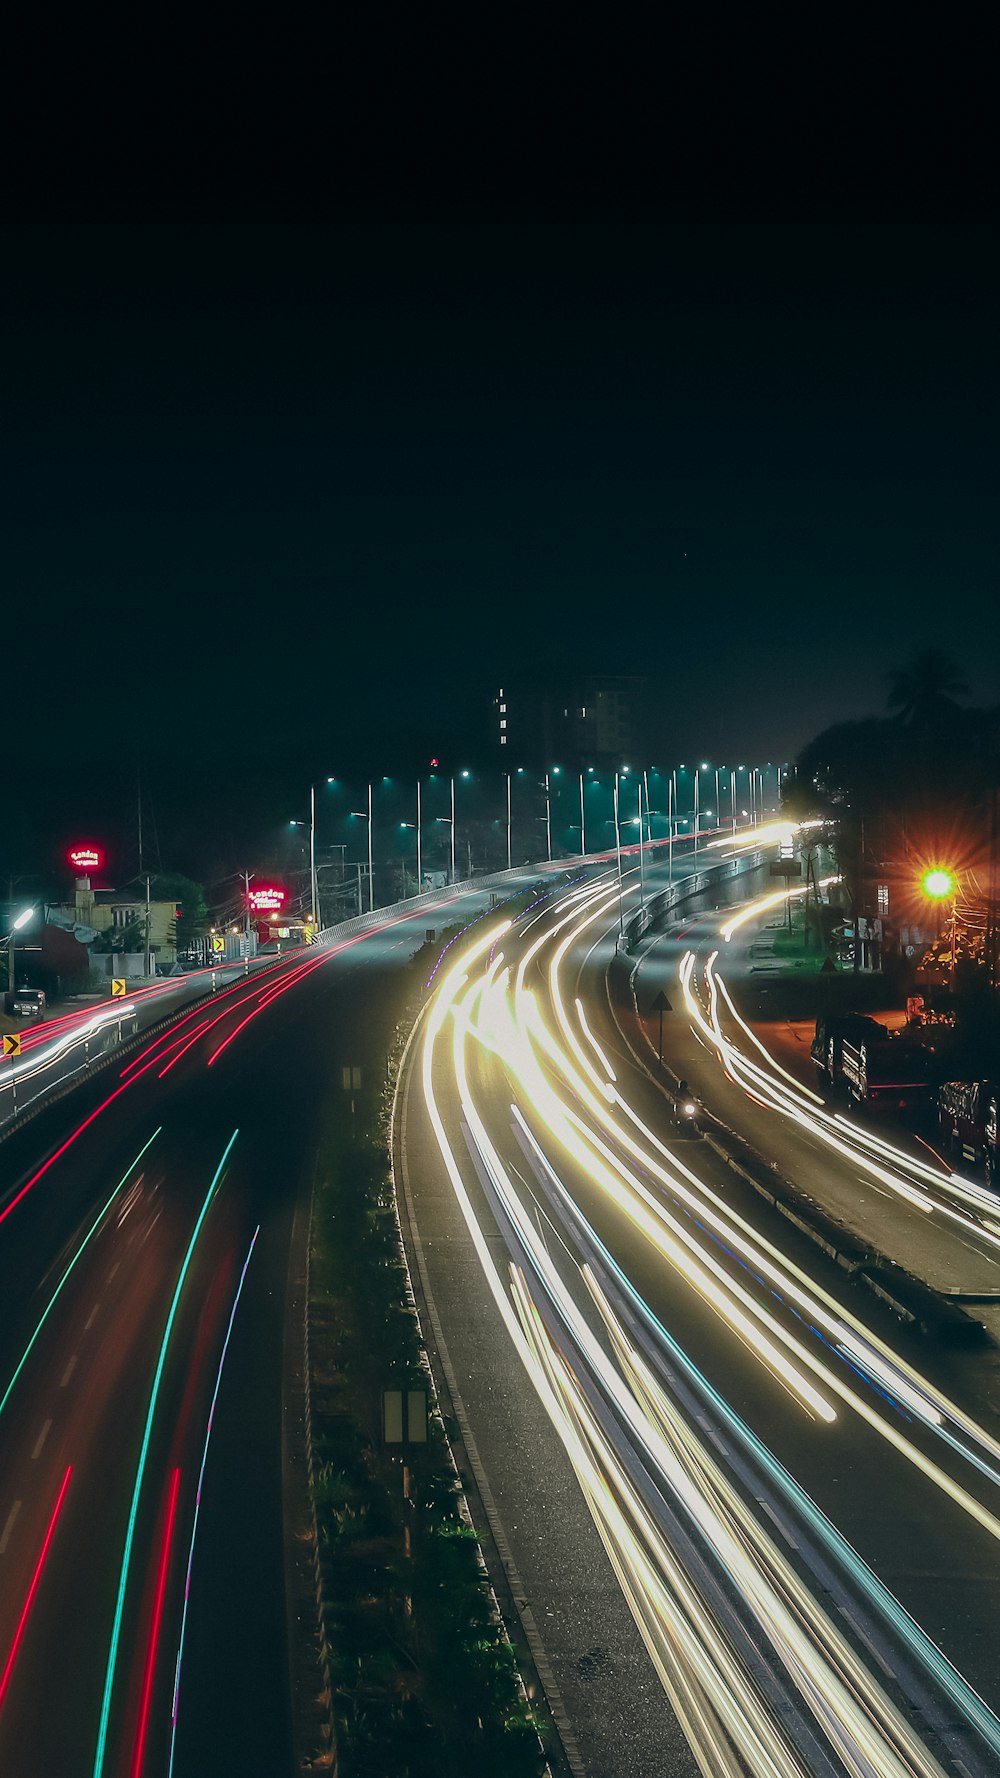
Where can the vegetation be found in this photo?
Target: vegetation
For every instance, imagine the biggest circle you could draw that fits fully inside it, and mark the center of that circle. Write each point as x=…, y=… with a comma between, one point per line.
x=907, y=791
x=189, y=897
x=424, y=1679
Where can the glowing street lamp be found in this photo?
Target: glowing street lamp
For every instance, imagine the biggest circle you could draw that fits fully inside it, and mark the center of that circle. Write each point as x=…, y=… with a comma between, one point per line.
x=939, y=884
x=15, y=926
x=362, y=815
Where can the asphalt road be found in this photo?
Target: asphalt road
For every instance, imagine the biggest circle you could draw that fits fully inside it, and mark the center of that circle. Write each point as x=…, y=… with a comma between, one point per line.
x=130, y=1212
x=854, y=1451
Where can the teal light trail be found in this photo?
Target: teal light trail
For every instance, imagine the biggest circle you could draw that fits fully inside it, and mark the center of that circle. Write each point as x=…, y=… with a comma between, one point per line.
x=92, y=1230
x=197, y=1505
x=102, y=1733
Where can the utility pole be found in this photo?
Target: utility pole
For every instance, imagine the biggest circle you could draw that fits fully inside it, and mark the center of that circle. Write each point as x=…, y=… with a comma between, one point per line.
x=147, y=926
x=312, y=856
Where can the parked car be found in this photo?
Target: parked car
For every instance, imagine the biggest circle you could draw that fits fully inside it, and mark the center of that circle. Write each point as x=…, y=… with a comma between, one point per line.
x=968, y=1120
x=28, y=1001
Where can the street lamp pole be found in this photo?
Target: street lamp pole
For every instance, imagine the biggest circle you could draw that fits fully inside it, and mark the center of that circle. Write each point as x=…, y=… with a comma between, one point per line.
x=420, y=874
x=583, y=822
x=453, y=830
x=642, y=879
x=15, y=926
x=670, y=827
x=548, y=821
x=696, y=811
x=618, y=848
x=371, y=874
x=312, y=857
x=508, y=821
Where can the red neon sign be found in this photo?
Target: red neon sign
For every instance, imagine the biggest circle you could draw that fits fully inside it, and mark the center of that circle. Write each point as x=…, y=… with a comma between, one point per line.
x=267, y=901
x=84, y=858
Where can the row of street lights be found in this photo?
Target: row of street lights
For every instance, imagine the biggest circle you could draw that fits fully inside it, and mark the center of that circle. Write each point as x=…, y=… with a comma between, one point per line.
x=753, y=811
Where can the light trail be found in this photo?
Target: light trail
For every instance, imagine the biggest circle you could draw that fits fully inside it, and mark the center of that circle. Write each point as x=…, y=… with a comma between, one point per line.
x=154, y=1631
x=197, y=1507
x=95, y=1225
x=22, y=1622
x=570, y=1099
x=109, y=1678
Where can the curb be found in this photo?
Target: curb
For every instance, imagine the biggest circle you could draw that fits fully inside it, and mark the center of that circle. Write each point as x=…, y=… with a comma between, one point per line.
x=563, y=1760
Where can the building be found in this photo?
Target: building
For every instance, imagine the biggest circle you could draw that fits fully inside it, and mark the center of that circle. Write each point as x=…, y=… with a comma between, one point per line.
x=589, y=720
x=119, y=913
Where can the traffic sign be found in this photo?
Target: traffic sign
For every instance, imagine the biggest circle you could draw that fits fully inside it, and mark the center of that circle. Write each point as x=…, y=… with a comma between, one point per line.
x=119, y=988
x=218, y=943
x=12, y=1044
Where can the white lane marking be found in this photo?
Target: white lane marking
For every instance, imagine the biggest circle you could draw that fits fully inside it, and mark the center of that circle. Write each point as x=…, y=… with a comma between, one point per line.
x=68, y=1372
x=42, y=1436
x=869, y=1644
x=88, y=1324
x=114, y=1270
x=8, y=1528
x=710, y=1432
x=772, y=1515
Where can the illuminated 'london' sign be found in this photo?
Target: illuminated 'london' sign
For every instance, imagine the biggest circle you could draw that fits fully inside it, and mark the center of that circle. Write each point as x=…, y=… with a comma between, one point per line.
x=84, y=858
x=267, y=901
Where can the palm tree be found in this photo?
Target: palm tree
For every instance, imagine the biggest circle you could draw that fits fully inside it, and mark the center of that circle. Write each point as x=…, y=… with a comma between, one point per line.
x=924, y=691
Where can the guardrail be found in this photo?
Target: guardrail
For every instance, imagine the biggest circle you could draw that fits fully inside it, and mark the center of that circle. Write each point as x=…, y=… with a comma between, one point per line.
x=435, y=899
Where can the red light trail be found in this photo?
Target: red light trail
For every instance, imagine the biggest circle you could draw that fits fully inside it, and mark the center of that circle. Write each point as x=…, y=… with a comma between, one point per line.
x=32, y=1590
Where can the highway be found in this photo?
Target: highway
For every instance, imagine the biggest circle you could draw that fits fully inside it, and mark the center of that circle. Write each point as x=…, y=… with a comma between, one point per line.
x=59, y=1050
x=796, y=1505
x=748, y=1528
x=149, y=1224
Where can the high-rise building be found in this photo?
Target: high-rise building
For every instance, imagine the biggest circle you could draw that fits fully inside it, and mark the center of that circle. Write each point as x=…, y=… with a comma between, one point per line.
x=590, y=720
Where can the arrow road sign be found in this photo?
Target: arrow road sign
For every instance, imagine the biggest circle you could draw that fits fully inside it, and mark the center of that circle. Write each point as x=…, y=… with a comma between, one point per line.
x=12, y=1045
x=118, y=989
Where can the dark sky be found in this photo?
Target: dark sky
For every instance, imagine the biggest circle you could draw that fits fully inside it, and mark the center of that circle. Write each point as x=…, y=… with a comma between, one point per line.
x=288, y=499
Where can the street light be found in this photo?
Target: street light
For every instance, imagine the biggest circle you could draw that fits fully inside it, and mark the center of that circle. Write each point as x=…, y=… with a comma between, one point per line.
x=618, y=849
x=361, y=815
x=15, y=926
x=939, y=884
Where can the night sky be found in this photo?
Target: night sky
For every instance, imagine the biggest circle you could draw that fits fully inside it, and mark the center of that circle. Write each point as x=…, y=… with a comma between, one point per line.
x=287, y=500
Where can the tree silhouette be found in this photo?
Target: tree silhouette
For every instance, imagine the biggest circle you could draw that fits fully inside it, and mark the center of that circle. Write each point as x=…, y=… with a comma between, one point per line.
x=924, y=691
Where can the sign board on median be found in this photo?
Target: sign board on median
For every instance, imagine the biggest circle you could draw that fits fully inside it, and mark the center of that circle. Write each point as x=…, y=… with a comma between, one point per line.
x=404, y=1416
x=119, y=988
x=218, y=944
x=12, y=1044
x=786, y=867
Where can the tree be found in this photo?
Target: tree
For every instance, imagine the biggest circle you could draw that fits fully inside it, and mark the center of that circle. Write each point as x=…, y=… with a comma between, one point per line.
x=189, y=897
x=923, y=692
